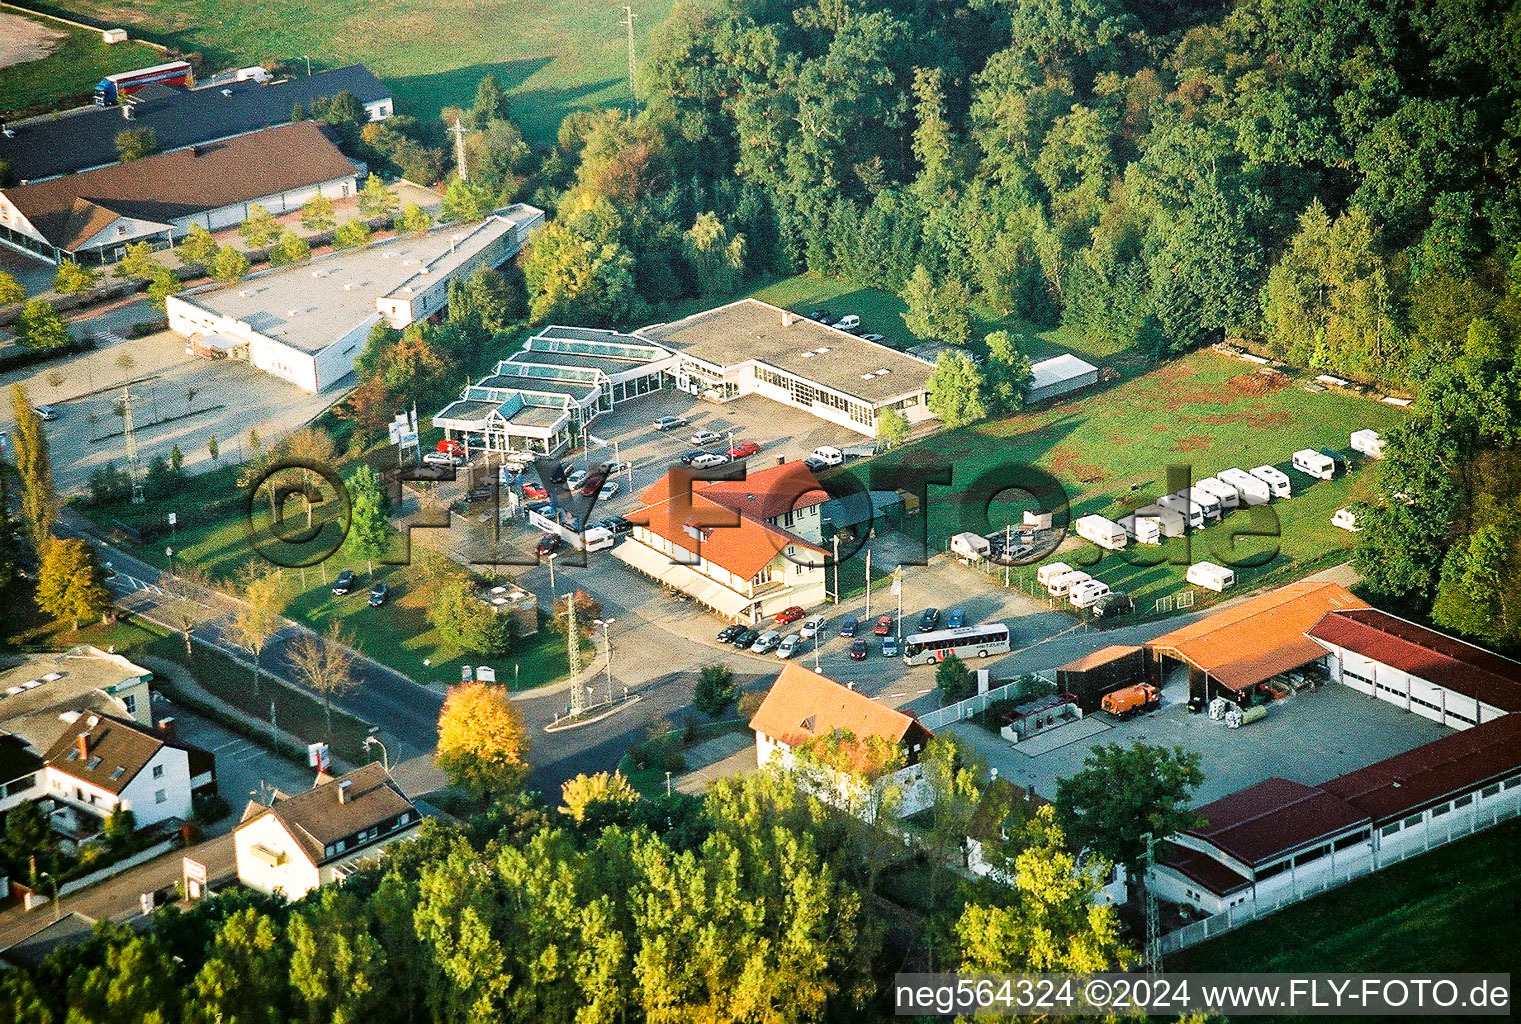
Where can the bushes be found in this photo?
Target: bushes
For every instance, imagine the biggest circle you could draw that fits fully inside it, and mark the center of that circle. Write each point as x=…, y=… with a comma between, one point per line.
x=715, y=690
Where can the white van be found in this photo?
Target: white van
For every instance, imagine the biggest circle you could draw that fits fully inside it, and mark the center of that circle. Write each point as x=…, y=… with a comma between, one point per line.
x=1046, y=573
x=1207, y=502
x=1087, y=593
x=1346, y=519
x=828, y=454
x=1229, y=497
x=1211, y=576
x=1062, y=585
x=849, y=323
x=598, y=538
x=1276, y=479
x=1252, y=490
x=1189, y=510
x=1313, y=463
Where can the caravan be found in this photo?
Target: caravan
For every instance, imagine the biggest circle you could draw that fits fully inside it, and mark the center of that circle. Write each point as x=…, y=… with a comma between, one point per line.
x=1169, y=520
x=1087, y=593
x=1211, y=576
x=1062, y=585
x=1228, y=495
x=1277, y=481
x=1313, y=463
x=1346, y=519
x=1207, y=502
x=1368, y=443
x=1101, y=531
x=1190, y=511
x=1142, y=529
x=1046, y=573
x=1252, y=490
x=971, y=547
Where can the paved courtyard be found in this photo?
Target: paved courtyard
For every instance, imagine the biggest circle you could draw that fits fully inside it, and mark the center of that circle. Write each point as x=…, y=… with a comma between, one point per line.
x=1310, y=737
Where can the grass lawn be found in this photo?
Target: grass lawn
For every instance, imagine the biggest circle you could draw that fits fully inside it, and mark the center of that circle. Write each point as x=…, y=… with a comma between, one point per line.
x=1110, y=452
x=1453, y=909
x=66, y=76
x=554, y=57
x=882, y=313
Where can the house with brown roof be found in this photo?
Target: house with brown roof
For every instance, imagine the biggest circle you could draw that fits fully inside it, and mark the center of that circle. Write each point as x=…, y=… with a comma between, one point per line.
x=732, y=544
x=294, y=844
x=864, y=752
x=102, y=762
x=92, y=216
x=1429, y=673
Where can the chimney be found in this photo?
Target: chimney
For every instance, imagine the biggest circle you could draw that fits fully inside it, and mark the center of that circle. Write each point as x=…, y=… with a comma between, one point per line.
x=167, y=727
x=82, y=742
x=343, y=791
x=781, y=460
x=788, y=318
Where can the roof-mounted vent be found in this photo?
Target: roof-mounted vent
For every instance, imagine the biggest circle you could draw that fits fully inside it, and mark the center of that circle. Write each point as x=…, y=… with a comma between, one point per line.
x=227, y=93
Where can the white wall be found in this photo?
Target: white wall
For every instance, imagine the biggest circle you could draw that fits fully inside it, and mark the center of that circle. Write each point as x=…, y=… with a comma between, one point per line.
x=150, y=798
x=1450, y=708
x=277, y=203
x=300, y=368
x=295, y=875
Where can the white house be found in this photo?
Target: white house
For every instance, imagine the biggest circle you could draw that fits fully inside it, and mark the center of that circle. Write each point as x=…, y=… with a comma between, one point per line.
x=295, y=844
x=803, y=707
x=741, y=547
x=102, y=762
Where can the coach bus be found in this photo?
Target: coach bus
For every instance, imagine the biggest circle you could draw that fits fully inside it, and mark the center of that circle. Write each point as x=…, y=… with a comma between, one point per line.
x=928, y=648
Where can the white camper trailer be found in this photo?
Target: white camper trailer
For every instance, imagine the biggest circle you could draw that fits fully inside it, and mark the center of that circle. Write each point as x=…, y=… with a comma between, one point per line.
x=1170, y=520
x=1038, y=520
x=1101, y=531
x=1252, y=490
x=1087, y=593
x=1313, y=463
x=1229, y=497
x=1207, y=502
x=1046, y=573
x=1276, y=479
x=1142, y=529
x=1368, y=442
x=1346, y=519
x=1062, y=585
x=1189, y=510
x=1211, y=576
x=970, y=546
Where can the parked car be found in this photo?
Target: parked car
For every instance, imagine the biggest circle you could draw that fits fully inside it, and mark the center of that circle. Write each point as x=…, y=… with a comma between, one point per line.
x=686, y=457
x=745, y=638
x=816, y=465
x=708, y=460
x=828, y=454
x=441, y=459
x=45, y=412
x=858, y=650
x=534, y=491
x=704, y=437
x=744, y=450
x=592, y=484
x=884, y=625
x=557, y=475
x=549, y=544
x=849, y=322
x=789, y=615
x=890, y=647
x=789, y=645
x=767, y=642
x=929, y=620
x=850, y=626
x=617, y=525
x=873, y=337
x=614, y=468
x=670, y=422
x=812, y=627
x=728, y=633
x=574, y=479
x=956, y=619
x=344, y=583
x=819, y=314
x=608, y=490
x=378, y=594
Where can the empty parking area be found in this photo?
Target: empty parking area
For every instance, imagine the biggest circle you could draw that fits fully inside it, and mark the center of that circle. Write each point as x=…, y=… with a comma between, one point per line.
x=1309, y=738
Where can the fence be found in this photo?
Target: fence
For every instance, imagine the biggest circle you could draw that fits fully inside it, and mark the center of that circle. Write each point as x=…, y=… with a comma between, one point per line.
x=1234, y=917
x=964, y=709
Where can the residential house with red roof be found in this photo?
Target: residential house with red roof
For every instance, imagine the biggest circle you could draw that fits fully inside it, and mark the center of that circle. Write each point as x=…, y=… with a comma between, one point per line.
x=733, y=545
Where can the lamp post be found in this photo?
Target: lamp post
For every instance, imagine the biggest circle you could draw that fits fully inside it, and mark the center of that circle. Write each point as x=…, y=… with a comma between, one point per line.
x=385, y=755
x=308, y=65
x=837, y=568
x=607, y=639
x=553, y=593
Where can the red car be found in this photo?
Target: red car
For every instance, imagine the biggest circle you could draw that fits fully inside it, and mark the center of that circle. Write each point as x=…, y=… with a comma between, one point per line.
x=744, y=449
x=884, y=626
x=451, y=446
x=789, y=615
x=534, y=491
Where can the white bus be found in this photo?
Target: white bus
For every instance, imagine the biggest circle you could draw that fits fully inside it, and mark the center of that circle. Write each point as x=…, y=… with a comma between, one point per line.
x=929, y=648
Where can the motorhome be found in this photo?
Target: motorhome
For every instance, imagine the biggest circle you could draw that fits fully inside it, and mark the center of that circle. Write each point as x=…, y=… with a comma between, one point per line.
x=1229, y=497
x=1277, y=480
x=1252, y=490
x=1211, y=576
x=1313, y=463
x=1101, y=531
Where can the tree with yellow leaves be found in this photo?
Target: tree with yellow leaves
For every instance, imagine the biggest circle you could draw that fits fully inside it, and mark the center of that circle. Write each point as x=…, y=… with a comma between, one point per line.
x=482, y=744
x=585, y=793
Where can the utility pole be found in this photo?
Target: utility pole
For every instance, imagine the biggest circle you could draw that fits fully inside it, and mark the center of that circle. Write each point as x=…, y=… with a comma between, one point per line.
x=131, y=437
x=837, y=568
x=1153, y=953
x=458, y=131
x=868, y=583
x=628, y=23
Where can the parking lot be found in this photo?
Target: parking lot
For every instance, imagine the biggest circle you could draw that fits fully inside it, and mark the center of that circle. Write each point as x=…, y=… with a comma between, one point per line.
x=1309, y=737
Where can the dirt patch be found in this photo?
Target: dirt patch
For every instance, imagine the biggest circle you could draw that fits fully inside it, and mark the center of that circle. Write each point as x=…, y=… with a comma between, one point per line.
x=1175, y=385
x=1258, y=382
x=1193, y=443
x=1270, y=420
x=1066, y=466
x=23, y=40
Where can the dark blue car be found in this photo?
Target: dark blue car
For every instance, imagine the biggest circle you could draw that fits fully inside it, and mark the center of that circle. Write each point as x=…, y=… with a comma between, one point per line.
x=850, y=626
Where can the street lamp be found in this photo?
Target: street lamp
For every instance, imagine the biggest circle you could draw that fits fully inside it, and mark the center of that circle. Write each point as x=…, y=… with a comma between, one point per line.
x=308, y=65
x=553, y=593
x=607, y=639
x=385, y=755
x=169, y=552
x=837, y=568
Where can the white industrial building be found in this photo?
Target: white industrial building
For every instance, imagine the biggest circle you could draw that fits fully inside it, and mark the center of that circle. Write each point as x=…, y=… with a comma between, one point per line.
x=91, y=217
x=307, y=324
x=1058, y=376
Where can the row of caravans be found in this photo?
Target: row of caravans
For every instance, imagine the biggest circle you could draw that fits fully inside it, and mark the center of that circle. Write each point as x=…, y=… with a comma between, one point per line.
x=1076, y=586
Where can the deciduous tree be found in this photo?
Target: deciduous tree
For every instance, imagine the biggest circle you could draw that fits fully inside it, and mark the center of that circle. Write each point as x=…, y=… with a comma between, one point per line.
x=69, y=582
x=1123, y=793
x=482, y=744
x=71, y=278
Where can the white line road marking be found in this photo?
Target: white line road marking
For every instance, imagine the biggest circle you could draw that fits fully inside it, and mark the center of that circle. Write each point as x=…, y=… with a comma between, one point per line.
x=922, y=692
